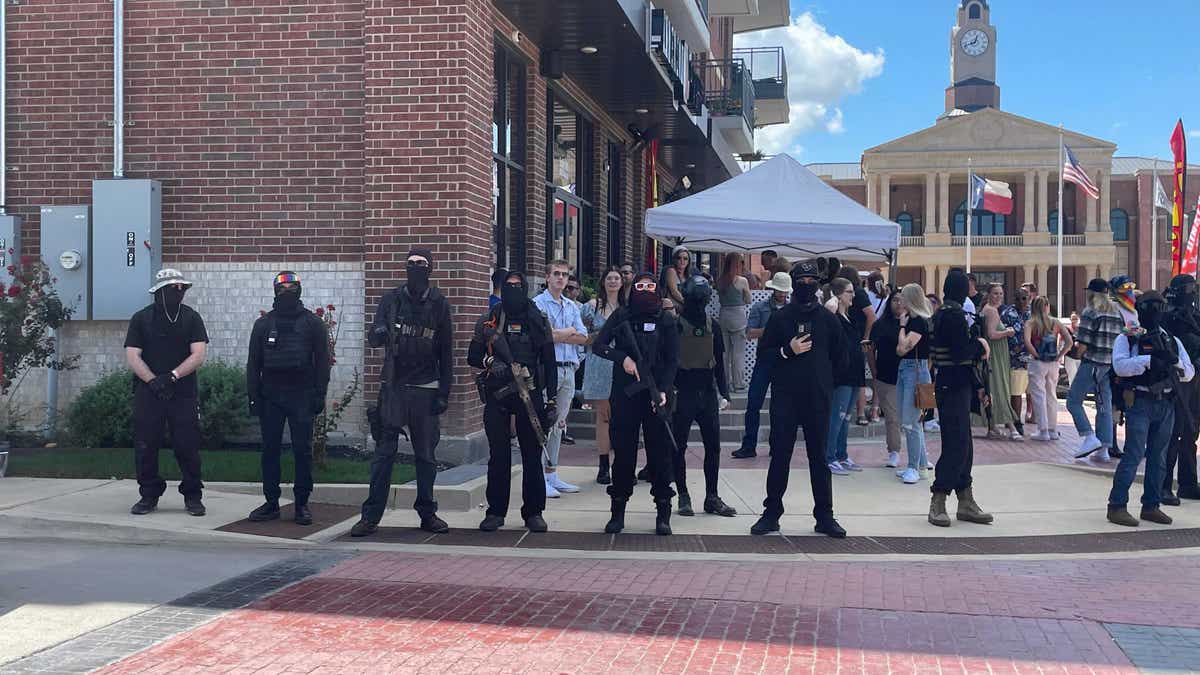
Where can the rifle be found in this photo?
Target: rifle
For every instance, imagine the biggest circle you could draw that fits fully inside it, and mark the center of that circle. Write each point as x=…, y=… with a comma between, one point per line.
x=499, y=351
x=646, y=382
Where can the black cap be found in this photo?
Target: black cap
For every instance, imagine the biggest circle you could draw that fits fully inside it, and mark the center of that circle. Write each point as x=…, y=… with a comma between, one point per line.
x=498, y=277
x=1098, y=286
x=1181, y=280
x=1150, y=296
x=806, y=268
x=423, y=252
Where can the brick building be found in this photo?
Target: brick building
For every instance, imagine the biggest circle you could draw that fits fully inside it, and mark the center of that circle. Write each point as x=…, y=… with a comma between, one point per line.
x=328, y=137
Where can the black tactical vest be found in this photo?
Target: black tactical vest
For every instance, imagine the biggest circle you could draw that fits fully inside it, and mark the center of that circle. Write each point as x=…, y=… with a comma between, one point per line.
x=940, y=351
x=413, y=326
x=696, y=350
x=519, y=336
x=1155, y=379
x=287, y=345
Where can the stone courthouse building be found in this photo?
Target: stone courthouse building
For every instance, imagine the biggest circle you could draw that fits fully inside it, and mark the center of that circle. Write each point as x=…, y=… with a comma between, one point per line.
x=920, y=181
x=331, y=136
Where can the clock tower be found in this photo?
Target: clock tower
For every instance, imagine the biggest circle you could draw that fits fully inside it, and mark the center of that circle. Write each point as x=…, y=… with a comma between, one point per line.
x=973, y=59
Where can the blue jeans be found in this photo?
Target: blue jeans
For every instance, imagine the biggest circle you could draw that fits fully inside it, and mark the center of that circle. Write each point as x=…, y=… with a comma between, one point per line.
x=1148, y=426
x=841, y=408
x=760, y=380
x=1092, y=377
x=911, y=373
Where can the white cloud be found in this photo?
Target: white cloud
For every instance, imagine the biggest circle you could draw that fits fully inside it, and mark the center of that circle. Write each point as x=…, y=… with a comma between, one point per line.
x=823, y=69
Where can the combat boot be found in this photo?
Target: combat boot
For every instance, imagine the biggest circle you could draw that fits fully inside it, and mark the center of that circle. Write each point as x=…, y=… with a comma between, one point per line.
x=685, y=504
x=617, y=522
x=937, y=510
x=715, y=505
x=1119, y=515
x=363, y=528
x=969, y=511
x=662, y=524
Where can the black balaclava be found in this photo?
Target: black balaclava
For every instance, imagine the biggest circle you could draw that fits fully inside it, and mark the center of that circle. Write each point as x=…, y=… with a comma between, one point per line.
x=286, y=301
x=697, y=293
x=1150, y=308
x=956, y=287
x=418, y=275
x=514, y=297
x=805, y=294
x=1182, y=291
x=644, y=303
x=169, y=299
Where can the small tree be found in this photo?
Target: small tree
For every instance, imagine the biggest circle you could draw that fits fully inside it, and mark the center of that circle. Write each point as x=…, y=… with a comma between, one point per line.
x=30, y=310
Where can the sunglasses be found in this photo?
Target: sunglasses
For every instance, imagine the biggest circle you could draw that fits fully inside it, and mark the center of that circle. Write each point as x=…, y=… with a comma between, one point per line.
x=645, y=286
x=572, y=288
x=560, y=273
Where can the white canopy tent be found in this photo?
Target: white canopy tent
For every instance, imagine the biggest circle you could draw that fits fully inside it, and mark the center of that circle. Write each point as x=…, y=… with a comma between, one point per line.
x=778, y=205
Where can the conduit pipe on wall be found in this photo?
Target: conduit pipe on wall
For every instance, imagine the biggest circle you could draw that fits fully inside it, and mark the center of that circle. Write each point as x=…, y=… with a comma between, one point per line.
x=118, y=88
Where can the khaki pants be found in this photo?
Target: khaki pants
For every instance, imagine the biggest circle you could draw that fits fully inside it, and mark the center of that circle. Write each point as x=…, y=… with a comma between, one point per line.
x=885, y=398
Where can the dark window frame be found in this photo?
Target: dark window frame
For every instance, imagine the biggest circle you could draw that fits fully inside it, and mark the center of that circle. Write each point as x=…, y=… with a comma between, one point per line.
x=1115, y=215
x=615, y=202
x=581, y=198
x=905, y=218
x=508, y=169
x=997, y=222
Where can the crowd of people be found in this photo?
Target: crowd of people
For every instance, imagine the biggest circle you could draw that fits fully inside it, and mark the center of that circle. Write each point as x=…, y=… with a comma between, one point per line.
x=648, y=359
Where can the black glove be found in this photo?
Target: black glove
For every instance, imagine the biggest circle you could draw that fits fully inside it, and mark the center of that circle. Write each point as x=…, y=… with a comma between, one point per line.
x=254, y=408
x=1160, y=361
x=163, y=387
x=381, y=331
x=318, y=403
x=549, y=414
x=440, y=405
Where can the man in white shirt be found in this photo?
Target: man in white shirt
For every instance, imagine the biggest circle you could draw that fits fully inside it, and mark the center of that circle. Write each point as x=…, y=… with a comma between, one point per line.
x=570, y=334
x=1151, y=367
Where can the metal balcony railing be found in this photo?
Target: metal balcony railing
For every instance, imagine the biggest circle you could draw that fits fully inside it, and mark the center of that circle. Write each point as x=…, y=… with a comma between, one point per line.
x=1005, y=240
x=913, y=240
x=728, y=87
x=1069, y=240
x=769, y=69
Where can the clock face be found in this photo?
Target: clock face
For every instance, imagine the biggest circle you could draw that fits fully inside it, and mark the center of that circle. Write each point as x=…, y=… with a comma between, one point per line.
x=974, y=42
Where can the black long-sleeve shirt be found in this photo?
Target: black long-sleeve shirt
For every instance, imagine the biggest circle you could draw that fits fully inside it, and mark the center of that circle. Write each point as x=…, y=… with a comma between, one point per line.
x=811, y=373
x=546, y=365
x=1184, y=324
x=613, y=344
x=697, y=378
x=316, y=378
x=441, y=369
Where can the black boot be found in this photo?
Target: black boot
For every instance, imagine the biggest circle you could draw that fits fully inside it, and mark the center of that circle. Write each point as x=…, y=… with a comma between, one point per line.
x=363, y=528
x=717, y=506
x=144, y=506
x=830, y=528
x=303, y=515
x=491, y=523
x=431, y=523
x=662, y=524
x=194, y=506
x=268, y=511
x=617, y=522
x=765, y=525
x=644, y=474
x=685, y=504
x=604, y=476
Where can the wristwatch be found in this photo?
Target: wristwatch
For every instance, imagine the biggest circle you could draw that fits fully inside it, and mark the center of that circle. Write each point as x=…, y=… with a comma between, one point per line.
x=174, y=376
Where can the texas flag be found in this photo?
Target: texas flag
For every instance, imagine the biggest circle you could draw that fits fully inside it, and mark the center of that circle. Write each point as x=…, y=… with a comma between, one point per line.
x=990, y=195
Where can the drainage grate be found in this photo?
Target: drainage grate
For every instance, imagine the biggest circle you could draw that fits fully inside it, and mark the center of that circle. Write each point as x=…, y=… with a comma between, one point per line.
x=324, y=516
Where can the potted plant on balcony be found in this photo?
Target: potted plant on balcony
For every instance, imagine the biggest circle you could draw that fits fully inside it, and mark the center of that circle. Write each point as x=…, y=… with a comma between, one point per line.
x=30, y=312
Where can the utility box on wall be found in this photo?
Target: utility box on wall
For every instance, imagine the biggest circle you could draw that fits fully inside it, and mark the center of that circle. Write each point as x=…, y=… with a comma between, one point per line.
x=126, y=243
x=67, y=252
x=10, y=239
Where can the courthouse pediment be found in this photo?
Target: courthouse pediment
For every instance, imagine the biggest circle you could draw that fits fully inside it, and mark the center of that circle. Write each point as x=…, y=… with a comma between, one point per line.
x=990, y=130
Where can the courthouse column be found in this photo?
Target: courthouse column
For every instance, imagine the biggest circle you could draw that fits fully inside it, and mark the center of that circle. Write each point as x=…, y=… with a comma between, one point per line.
x=1043, y=198
x=930, y=224
x=943, y=202
x=1027, y=197
x=872, y=192
x=885, y=196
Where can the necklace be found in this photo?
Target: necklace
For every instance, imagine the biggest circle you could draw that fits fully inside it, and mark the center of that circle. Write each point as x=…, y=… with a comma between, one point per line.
x=168, y=314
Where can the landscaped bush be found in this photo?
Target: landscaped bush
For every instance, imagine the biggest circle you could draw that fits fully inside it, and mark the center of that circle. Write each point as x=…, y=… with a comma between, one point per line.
x=102, y=415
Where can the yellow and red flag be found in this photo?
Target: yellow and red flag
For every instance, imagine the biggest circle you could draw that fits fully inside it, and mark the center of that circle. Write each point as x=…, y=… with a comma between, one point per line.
x=1179, y=149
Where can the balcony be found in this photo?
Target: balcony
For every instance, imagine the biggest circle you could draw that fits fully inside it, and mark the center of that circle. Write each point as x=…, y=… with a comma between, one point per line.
x=768, y=69
x=1007, y=240
x=729, y=95
x=1069, y=240
x=691, y=21
x=916, y=240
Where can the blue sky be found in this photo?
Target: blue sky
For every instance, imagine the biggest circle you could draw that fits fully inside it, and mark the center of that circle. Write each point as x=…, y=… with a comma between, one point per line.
x=865, y=72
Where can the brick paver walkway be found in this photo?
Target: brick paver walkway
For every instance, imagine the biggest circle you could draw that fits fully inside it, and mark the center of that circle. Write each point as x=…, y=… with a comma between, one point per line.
x=398, y=612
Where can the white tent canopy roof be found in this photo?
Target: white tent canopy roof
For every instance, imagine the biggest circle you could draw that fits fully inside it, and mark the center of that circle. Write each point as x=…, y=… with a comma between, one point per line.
x=778, y=205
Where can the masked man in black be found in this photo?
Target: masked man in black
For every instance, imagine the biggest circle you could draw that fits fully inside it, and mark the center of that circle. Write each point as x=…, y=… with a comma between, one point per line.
x=287, y=377
x=1182, y=320
x=165, y=345
x=700, y=377
x=807, y=345
x=413, y=324
x=515, y=333
x=642, y=341
x=955, y=352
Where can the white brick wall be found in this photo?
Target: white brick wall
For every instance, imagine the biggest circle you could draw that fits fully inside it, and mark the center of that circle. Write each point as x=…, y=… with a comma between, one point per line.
x=228, y=297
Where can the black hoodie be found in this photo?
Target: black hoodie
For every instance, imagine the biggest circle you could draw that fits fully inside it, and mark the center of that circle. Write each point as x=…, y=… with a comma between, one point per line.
x=538, y=328
x=808, y=376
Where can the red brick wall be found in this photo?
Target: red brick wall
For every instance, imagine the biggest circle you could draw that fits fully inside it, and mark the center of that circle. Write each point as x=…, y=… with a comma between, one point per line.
x=250, y=115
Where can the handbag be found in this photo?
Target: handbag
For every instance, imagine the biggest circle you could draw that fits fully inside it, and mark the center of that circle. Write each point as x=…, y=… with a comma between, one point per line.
x=926, y=400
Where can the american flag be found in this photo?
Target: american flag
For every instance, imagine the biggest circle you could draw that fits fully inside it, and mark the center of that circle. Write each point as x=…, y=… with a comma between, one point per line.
x=1072, y=172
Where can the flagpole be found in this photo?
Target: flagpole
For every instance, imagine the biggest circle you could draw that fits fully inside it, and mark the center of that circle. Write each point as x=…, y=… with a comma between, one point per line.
x=1058, y=301
x=1154, y=229
x=970, y=194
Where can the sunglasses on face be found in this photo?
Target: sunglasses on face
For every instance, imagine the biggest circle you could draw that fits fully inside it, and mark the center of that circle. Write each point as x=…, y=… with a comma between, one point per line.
x=645, y=286
x=572, y=288
x=560, y=273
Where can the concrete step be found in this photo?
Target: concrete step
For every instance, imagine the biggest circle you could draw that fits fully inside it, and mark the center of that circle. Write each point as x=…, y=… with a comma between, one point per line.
x=729, y=417
x=586, y=432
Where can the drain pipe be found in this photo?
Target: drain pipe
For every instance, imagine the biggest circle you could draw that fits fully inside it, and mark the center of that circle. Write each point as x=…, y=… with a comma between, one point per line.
x=118, y=88
x=3, y=107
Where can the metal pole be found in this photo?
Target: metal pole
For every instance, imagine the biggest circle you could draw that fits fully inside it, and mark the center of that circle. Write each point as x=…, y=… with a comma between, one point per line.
x=118, y=88
x=51, y=387
x=1058, y=301
x=3, y=107
x=970, y=216
x=1154, y=229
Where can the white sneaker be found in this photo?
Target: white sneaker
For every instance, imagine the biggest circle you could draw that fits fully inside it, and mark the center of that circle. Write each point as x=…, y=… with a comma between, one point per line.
x=837, y=469
x=850, y=465
x=560, y=484
x=1089, y=445
x=1102, y=456
x=1042, y=436
x=929, y=464
x=932, y=426
x=893, y=460
x=1054, y=435
x=900, y=472
x=551, y=492
x=910, y=476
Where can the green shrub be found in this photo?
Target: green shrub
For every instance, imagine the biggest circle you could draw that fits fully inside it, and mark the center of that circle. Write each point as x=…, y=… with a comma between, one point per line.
x=102, y=415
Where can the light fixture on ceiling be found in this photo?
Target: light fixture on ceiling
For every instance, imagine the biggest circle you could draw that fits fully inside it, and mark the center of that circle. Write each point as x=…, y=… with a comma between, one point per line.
x=691, y=166
x=588, y=49
x=641, y=111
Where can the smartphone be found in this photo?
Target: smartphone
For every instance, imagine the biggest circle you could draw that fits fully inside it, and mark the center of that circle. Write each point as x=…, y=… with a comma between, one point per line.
x=803, y=329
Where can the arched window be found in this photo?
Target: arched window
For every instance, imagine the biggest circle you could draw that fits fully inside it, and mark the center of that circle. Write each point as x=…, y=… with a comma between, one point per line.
x=905, y=220
x=986, y=222
x=973, y=11
x=1120, y=224
x=1052, y=222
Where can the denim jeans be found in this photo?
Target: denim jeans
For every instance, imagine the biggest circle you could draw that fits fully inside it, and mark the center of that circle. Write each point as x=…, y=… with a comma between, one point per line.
x=1092, y=377
x=912, y=372
x=760, y=380
x=1148, y=425
x=566, y=391
x=839, y=423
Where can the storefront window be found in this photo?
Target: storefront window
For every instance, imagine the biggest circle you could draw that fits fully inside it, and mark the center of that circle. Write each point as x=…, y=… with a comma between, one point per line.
x=616, y=191
x=508, y=157
x=569, y=186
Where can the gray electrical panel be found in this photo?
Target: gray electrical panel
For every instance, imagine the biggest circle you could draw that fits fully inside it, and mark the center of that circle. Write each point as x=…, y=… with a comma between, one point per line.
x=67, y=252
x=10, y=239
x=126, y=243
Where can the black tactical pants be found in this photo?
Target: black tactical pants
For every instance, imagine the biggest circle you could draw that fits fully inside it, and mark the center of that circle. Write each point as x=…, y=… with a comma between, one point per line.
x=408, y=408
x=629, y=416
x=953, y=469
x=789, y=412
x=295, y=409
x=182, y=416
x=1182, y=450
x=497, y=418
x=699, y=405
